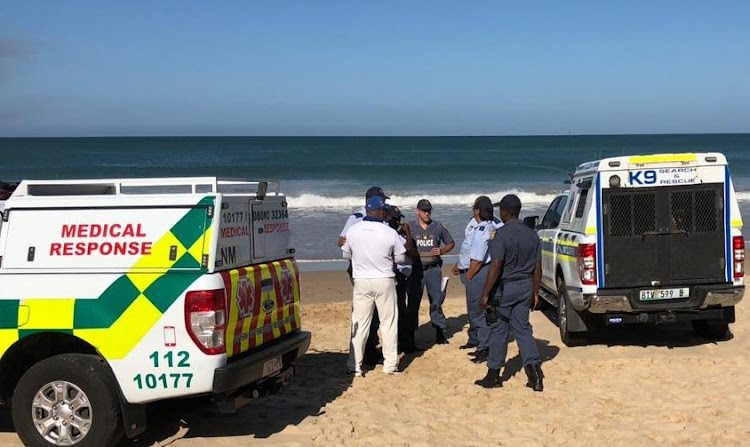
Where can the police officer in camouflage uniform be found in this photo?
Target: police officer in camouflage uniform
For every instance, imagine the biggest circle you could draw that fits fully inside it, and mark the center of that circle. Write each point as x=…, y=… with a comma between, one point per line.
x=510, y=292
x=432, y=240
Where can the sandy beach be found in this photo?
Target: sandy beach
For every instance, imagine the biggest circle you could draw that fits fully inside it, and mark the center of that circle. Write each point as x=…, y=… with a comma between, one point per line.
x=640, y=385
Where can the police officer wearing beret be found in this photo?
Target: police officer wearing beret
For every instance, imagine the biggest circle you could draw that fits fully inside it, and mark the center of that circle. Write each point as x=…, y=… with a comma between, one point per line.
x=432, y=240
x=510, y=292
x=472, y=266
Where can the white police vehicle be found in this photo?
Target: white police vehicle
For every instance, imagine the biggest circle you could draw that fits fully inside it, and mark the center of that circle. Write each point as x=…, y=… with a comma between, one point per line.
x=644, y=239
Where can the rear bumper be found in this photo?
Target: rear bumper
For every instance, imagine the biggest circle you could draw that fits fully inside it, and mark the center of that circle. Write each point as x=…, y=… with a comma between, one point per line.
x=249, y=369
x=701, y=297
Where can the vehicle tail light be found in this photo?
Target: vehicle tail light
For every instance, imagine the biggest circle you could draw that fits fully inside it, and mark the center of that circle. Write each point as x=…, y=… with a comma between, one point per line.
x=586, y=254
x=738, y=246
x=205, y=319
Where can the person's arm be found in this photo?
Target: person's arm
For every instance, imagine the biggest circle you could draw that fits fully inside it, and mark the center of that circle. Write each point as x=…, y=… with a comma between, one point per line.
x=474, y=267
x=399, y=250
x=346, y=249
x=492, y=275
x=447, y=248
x=349, y=222
x=537, y=280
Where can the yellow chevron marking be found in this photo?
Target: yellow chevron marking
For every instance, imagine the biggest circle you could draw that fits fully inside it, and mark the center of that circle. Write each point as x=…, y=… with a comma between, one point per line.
x=48, y=313
x=116, y=341
x=7, y=338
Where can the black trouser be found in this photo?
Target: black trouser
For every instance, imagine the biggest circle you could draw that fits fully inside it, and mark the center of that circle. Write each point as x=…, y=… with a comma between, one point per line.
x=405, y=333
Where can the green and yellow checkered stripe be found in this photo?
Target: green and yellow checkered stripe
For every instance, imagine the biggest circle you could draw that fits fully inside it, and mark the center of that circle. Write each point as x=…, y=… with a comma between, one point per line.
x=115, y=321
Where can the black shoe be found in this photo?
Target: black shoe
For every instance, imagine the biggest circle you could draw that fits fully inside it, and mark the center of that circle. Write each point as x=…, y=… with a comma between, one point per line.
x=481, y=356
x=535, y=375
x=440, y=337
x=491, y=380
x=468, y=345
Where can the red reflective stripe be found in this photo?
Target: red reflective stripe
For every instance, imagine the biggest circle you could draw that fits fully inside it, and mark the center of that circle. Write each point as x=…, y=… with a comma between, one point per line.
x=279, y=298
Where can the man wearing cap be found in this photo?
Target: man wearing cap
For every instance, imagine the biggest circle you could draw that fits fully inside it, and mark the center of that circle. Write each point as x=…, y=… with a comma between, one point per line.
x=428, y=236
x=510, y=292
x=373, y=248
x=372, y=355
x=472, y=265
x=394, y=216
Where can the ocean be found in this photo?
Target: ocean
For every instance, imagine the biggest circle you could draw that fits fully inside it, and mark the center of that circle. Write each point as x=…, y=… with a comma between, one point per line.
x=325, y=178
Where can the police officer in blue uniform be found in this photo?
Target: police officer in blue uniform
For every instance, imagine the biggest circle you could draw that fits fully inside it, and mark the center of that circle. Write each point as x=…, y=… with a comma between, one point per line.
x=432, y=240
x=510, y=292
x=472, y=265
x=372, y=355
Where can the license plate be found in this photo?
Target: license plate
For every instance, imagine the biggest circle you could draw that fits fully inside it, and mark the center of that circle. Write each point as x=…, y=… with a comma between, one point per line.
x=272, y=366
x=665, y=294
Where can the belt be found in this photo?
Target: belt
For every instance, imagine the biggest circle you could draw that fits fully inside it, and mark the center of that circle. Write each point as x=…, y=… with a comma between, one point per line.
x=514, y=279
x=462, y=271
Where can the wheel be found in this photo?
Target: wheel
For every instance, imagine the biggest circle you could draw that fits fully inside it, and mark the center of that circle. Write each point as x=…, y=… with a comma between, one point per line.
x=712, y=330
x=67, y=399
x=563, y=310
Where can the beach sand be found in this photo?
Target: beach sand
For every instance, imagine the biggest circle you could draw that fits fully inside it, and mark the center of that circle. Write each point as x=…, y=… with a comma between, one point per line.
x=638, y=385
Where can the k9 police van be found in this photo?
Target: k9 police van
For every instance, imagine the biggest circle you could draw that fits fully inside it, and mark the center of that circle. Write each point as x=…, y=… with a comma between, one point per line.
x=644, y=239
x=116, y=293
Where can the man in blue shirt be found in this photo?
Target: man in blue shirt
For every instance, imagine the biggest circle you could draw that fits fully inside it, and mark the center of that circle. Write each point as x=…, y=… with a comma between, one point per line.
x=510, y=292
x=432, y=240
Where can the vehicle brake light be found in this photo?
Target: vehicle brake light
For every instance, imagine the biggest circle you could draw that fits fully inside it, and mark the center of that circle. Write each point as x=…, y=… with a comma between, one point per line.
x=205, y=319
x=586, y=254
x=738, y=246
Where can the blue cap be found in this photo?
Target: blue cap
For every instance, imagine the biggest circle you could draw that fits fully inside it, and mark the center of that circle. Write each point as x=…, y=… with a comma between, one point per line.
x=375, y=203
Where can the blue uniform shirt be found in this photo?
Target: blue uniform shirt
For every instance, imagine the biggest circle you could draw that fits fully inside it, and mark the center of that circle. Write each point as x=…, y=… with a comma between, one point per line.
x=519, y=248
x=429, y=238
x=476, y=238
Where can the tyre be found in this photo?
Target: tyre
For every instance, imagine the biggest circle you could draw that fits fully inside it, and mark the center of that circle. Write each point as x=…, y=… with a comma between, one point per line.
x=712, y=330
x=563, y=321
x=68, y=399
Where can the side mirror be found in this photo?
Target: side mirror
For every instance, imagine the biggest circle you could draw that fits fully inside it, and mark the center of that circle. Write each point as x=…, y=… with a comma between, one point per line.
x=531, y=221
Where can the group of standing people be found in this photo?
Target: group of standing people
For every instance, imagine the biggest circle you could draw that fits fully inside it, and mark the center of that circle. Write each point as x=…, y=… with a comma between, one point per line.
x=392, y=263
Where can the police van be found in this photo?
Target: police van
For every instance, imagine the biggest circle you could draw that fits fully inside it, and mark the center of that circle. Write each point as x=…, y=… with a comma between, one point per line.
x=115, y=293
x=644, y=239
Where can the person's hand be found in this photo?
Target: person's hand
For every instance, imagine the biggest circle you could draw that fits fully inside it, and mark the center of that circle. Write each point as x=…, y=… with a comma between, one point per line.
x=342, y=241
x=454, y=270
x=535, y=302
x=405, y=227
x=435, y=252
x=484, y=302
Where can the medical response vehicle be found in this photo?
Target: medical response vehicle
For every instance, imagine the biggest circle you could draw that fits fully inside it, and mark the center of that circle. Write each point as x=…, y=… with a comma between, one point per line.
x=644, y=239
x=116, y=293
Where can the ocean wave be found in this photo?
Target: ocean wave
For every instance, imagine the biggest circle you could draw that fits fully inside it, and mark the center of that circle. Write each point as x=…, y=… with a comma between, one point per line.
x=409, y=201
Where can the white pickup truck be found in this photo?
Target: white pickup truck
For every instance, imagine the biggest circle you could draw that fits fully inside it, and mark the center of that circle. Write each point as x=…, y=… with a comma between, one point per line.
x=644, y=239
x=119, y=292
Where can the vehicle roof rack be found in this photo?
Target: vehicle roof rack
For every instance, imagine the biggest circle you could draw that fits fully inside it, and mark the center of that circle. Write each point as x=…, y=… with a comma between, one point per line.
x=133, y=186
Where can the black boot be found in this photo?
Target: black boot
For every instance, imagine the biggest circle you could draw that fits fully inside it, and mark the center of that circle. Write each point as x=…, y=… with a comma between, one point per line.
x=440, y=336
x=481, y=356
x=535, y=375
x=491, y=380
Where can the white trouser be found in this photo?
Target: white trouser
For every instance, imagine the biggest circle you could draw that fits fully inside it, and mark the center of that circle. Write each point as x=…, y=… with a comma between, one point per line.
x=368, y=293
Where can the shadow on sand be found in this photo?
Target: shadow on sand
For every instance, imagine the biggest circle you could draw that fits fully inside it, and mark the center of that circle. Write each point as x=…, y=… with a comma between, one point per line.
x=668, y=335
x=319, y=381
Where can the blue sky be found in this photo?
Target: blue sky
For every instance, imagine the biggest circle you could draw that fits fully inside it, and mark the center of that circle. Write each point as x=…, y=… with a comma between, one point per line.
x=92, y=68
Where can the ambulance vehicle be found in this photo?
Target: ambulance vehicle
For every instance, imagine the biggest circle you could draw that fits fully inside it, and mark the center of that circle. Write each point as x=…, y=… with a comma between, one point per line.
x=116, y=293
x=644, y=239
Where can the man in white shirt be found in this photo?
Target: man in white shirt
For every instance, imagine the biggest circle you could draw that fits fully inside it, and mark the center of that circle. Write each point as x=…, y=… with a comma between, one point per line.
x=373, y=248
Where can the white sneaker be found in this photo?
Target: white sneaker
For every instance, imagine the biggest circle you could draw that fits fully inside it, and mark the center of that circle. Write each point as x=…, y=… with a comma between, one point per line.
x=355, y=373
x=392, y=372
